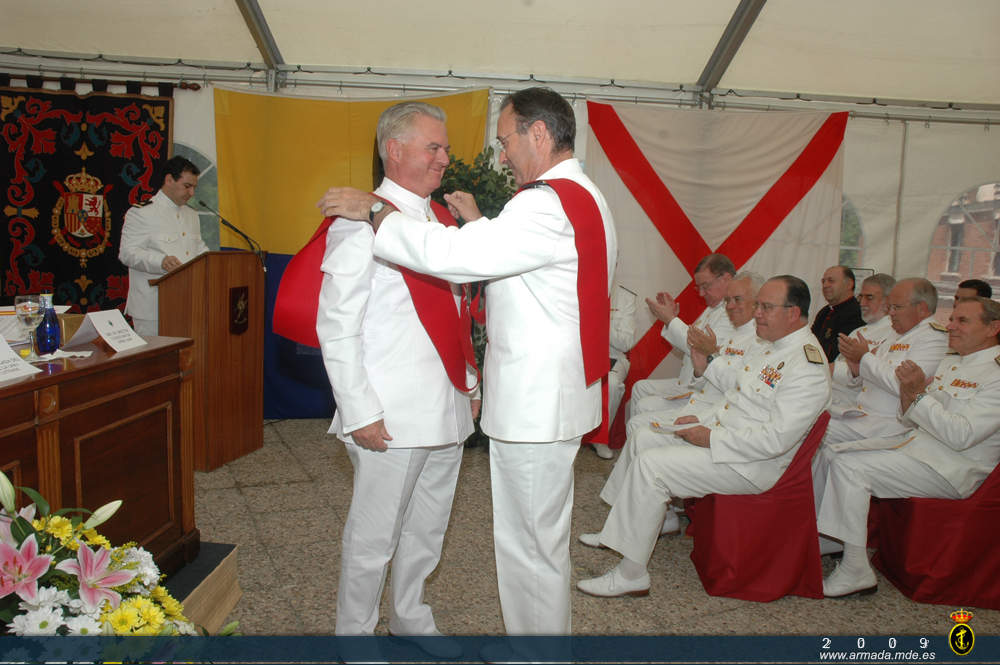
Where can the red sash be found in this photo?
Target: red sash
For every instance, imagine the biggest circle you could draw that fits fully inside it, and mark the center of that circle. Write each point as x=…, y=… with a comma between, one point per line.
x=449, y=330
x=591, y=287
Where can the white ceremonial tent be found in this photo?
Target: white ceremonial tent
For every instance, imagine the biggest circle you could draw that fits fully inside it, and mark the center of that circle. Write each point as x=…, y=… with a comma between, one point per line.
x=919, y=78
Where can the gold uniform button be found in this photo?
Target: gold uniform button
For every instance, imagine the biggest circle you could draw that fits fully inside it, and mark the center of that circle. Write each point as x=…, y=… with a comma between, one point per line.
x=183, y=234
x=864, y=390
x=956, y=394
x=717, y=422
x=767, y=353
x=953, y=368
x=727, y=406
x=940, y=387
x=747, y=368
x=738, y=389
x=758, y=390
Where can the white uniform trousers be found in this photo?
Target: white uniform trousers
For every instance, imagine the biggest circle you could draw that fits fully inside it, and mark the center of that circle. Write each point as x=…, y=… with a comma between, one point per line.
x=838, y=431
x=616, y=387
x=638, y=441
x=639, y=505
x=855, y=477
x=654, y=388
x=532, y=508
x=146, y=327
x=399, y=511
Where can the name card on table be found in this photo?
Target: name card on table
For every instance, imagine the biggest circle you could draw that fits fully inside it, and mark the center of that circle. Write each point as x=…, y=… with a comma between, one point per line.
x=109, y=325
x=11, y=364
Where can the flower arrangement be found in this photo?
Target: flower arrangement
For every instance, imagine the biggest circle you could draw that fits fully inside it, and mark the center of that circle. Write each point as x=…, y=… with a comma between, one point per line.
x=59, y=576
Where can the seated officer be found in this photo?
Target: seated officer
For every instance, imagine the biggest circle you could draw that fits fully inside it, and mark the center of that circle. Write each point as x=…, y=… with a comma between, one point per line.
x=740, y=445
x=953, y=446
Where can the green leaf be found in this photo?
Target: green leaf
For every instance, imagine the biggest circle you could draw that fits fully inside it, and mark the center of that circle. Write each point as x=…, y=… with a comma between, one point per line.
x=21, y=528
x=40, y=503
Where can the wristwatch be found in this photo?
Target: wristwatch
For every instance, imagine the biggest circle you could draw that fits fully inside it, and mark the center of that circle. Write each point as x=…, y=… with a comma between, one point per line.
x=710, y=358
x=374, y=210
x=918, y=398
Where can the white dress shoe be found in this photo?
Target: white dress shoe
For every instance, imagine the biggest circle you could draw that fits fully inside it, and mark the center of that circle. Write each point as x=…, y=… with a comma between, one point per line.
x=671, y=524
x=841, y=585
x=436, y=644
x=603, y=451
x=613, y=584
x=592, y=540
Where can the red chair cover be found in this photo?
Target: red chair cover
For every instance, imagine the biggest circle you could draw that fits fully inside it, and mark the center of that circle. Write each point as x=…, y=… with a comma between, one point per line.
x=762, y=547
x=943, y=551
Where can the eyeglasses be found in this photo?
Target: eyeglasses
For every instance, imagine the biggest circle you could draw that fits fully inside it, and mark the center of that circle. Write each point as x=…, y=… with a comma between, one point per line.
x=896, y=308
x=501, y=144
x=766, y=307
x=704, y=287
x=739, y=300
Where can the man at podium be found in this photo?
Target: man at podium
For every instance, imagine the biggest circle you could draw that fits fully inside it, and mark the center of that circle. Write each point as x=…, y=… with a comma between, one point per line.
x=160, y=234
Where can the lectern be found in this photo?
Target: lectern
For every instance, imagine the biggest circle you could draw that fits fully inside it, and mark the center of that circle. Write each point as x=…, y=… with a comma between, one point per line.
x=217, y=299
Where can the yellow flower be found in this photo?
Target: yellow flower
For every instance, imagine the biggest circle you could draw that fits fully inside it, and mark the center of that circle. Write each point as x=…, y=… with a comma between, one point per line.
x=94, y=538
x=124, y=619
x=60, y=527
x=39, y=524
x=172, y=607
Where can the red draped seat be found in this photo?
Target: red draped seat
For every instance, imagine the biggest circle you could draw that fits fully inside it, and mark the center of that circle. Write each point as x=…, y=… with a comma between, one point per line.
x=764, y=546
x=943, y=551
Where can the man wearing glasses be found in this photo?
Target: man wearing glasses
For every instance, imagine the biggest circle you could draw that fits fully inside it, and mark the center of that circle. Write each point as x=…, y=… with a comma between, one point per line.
x=711, y=277
x=539, y=403
x=917, y=338
x=740, y=445
x=842, y=313
x=874, y=298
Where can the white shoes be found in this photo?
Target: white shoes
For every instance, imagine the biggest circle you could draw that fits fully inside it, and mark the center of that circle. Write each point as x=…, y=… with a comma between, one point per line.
x=841, y=584
x=671, y=524
x=602, y=450
x=613, y=584
x=592, y=540
x=436, y=644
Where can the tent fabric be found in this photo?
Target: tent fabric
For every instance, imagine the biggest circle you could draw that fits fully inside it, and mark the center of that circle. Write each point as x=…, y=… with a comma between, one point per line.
x=277, y=155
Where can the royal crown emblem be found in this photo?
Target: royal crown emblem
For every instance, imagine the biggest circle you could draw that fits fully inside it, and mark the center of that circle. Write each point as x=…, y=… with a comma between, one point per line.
x=961, y=639
x=81, y=221
x=961, y=616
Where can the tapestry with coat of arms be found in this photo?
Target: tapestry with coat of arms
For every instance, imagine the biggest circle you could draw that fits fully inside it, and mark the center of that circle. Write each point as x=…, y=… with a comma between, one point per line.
x=72, y=166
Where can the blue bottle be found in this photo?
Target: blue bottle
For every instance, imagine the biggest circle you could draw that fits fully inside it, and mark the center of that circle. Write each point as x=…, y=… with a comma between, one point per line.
x=48, y=330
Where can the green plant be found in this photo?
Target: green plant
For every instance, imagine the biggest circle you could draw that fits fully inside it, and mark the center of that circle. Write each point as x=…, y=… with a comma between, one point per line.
x=492, y=190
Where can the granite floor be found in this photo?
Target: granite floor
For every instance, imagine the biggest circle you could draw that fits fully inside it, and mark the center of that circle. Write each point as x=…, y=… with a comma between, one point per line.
x=285, y=505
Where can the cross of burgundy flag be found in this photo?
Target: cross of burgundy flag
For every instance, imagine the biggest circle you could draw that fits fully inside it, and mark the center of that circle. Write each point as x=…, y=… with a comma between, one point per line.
x=763, y=188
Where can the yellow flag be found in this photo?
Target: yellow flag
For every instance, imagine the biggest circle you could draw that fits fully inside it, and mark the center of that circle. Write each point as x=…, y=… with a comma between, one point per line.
x=277, y=156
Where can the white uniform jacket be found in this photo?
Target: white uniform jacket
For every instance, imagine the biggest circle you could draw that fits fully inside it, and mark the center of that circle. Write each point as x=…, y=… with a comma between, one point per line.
x=151, y=233
x=380, y=360
x=534, y=385
x=772, y=401
x=622, y=331
x=879, y=396
x=734, y=349
x=958, y=423
x=676, y=334
x=845, y=385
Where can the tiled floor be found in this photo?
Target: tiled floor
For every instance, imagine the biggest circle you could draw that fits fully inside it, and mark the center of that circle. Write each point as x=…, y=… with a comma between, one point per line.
x=285, y=506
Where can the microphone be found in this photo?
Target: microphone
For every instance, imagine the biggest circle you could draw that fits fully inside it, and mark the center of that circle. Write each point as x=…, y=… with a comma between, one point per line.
x=250, y=241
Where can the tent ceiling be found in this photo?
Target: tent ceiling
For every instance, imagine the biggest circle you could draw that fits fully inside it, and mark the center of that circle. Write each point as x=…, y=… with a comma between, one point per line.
x=922, y=50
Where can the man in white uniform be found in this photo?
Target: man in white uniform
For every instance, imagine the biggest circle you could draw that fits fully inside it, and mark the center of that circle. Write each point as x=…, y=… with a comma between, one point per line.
x=538, y=402
x=740, y=445
x=874, y=299
x=160, y=234
x=622, y=337
x=402, y=418
x=954, y=446
x=711, y=277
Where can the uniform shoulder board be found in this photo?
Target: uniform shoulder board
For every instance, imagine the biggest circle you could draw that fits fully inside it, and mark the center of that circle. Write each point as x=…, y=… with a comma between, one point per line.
x=937, y=326
x=142, y=204
x=952, y=353
x=997, y=359
x=813, y=354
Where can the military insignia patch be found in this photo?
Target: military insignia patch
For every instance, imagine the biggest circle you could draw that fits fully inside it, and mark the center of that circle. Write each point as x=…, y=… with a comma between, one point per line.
x=81, y=220
x=813, y=354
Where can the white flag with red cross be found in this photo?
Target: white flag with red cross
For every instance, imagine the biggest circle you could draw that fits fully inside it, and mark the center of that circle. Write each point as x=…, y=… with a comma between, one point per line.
x=763, y=188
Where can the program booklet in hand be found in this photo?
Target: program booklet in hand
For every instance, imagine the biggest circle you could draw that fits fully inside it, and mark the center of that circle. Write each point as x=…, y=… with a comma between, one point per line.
x=11, y=364
x=111, y=326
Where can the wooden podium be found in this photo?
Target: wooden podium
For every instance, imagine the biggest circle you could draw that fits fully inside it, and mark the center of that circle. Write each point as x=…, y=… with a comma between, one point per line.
x=217, y=299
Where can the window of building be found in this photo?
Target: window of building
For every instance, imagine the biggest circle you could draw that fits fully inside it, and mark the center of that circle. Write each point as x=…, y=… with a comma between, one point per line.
x=852, y=236
x=207, y=191
x=966, y=244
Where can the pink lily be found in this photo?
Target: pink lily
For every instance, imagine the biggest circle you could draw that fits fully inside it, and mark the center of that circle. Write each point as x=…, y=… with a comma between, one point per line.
x=28, y=513
x=20, y=569
x=91, y=570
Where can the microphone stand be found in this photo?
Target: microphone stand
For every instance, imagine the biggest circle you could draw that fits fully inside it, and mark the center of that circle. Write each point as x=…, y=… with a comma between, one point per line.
x=254, y=245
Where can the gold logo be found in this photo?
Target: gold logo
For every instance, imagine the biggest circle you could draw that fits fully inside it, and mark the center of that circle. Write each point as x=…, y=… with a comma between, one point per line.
x=961, y=639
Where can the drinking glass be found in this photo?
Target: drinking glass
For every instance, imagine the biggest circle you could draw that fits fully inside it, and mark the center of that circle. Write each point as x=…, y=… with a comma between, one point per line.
x=29, y=311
